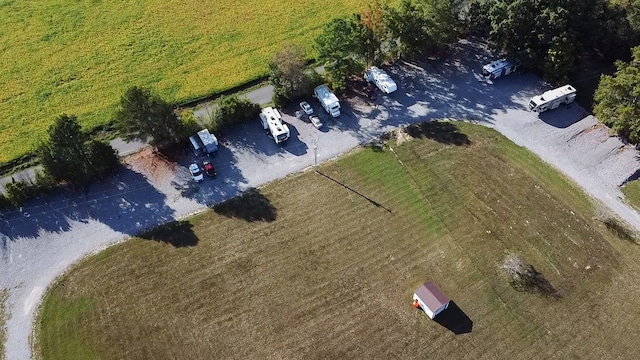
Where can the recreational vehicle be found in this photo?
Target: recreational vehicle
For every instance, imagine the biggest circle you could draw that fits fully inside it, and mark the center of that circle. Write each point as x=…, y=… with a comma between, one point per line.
x=271, y=121
x=552, y=99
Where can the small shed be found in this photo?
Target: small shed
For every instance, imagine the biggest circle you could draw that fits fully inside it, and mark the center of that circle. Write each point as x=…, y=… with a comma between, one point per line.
x=431, y=299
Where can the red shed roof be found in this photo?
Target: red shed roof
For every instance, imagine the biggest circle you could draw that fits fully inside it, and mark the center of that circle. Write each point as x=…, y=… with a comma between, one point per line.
x=432, y=296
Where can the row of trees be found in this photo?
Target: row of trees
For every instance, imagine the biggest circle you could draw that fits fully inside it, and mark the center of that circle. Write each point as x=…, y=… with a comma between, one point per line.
x=347, y=45
x=550, y=35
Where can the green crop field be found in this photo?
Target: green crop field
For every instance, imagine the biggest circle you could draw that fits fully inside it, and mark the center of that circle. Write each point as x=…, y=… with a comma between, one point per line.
x=323, y=266
x=78, y=57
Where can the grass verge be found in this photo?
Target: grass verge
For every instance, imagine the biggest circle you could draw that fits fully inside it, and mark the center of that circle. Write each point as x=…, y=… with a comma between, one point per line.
x=79, y=57
x=327, y=268
x=4, y=295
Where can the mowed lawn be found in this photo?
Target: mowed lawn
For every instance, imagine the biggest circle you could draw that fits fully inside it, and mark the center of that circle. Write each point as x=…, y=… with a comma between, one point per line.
x=78, y=57
x=323, y=266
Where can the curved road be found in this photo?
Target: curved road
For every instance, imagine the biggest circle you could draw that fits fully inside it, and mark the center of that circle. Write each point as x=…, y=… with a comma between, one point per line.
x=40, y=241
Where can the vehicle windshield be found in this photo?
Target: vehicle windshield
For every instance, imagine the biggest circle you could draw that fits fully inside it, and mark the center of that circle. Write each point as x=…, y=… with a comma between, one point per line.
x=196, y=172
x=282, y=137
x=532, y=105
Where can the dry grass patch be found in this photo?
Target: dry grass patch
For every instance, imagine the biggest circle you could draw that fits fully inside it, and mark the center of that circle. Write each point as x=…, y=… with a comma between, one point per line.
x=331, y=276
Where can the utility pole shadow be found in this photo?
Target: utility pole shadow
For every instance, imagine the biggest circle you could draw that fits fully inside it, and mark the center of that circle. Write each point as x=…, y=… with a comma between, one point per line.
x=377, y=204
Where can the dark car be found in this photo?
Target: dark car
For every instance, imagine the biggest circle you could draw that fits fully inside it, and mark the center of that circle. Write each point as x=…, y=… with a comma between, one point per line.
x=209, y=169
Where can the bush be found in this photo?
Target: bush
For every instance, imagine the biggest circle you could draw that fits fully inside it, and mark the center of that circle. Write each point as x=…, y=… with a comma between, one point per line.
x=189, y=124
x=232, y=111
x=524, y=277
x=18, y=192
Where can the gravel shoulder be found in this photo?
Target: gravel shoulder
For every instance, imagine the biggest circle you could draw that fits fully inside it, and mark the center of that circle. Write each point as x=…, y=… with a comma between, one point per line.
x=40, y=241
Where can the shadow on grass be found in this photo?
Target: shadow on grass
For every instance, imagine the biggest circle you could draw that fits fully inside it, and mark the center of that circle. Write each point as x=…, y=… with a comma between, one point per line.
x=177, y=233
x=250, y=206
x=620, y=230
x=375, y=203
x=442, y=132
x=454, y=319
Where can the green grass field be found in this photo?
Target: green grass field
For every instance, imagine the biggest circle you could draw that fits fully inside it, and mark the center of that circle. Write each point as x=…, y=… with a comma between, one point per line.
x=78, y=57
x=323, y=265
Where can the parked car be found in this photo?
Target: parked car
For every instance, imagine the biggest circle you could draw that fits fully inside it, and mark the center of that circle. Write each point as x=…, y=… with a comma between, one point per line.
x=196, y=173
x=300, y=115
x=315, y=121
x=209, y=169
x=306, y=108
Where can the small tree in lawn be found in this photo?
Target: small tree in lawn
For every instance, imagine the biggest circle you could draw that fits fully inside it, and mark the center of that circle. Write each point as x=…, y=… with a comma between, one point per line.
x=143, y=115
x=64, y=156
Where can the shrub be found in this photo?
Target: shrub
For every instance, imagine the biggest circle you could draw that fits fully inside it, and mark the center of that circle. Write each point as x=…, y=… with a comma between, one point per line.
x=18, y=192
x=231, y=111
x=524, y=277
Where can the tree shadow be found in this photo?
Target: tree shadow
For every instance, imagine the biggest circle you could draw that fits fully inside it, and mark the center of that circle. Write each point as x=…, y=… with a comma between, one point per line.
x=454, y=319
x=176, y=233
x=442, y=132
x=250, y=206
x=125, y=202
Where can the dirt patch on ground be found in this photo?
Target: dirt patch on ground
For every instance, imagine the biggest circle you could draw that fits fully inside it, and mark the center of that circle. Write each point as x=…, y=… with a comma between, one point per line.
x=151, y=164
x=402, y=136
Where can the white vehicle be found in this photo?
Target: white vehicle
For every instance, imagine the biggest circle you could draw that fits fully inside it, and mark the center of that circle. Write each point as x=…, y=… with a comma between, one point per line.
x=196, y=173
x=498, y=68
x=271, y=121
x=382, y=80
x=306, y=108
x=209, y=141
x=315, y=121
x=553, y=98
x=328, y=99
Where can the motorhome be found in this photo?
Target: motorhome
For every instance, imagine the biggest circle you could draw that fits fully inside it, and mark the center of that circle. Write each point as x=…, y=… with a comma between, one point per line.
x=498, y=68
x=328, y=100
x=209, y=141
x=271, y=121
x=553, y=98
x=382, y=80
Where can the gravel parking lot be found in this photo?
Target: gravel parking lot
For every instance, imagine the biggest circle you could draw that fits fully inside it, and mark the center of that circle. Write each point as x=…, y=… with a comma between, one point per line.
x=39, y=241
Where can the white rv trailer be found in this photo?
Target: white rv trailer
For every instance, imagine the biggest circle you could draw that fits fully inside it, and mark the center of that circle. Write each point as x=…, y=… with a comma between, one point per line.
x=382, y=80
x=328, y=100
x=209, y=141
x=551, y=99
x=498, y=68
x=271, y=121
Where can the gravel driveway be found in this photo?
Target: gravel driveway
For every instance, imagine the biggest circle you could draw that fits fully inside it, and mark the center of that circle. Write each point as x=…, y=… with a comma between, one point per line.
x=44, y=238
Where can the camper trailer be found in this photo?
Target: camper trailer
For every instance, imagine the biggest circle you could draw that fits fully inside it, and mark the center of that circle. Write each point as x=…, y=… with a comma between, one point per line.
x=271, y=121
x=209, y=141
x=382, y=80
x=328, y=99
x=553, y=98
x=498, y=68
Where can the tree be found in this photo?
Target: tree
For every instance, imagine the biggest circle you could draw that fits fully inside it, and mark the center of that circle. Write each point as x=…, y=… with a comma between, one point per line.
x=408, y=30
x=287, y=74
x=232, y=110
x=374, y=31
x=617, y=99
x=143, y=115
x=444, y=16
x=103, y=157
x=63, y=156
x=341, y=48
